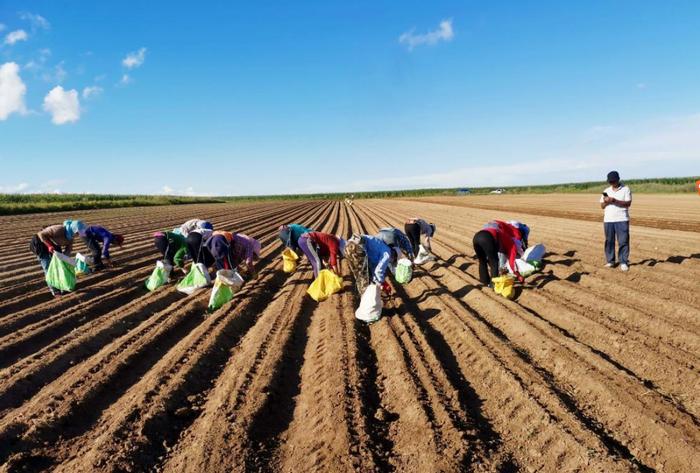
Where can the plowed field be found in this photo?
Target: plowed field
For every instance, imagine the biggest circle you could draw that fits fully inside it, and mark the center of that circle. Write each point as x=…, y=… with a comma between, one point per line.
x=588, y=369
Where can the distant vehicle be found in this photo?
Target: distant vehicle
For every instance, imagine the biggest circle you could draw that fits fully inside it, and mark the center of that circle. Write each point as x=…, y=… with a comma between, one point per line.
x=498, y=191
x=463, y=191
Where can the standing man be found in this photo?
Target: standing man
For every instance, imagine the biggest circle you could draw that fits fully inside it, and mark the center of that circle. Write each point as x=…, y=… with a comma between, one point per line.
x=616, y=201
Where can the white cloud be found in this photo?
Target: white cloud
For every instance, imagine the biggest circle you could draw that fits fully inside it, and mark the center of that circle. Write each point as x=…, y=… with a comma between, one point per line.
x=92, y=91
x=641, y=86
x=125, y=80
x=63, y=105
x=443, y=33
x=2, y=27
x=14, y=189
x=12, y=91
x=36, y=21
x=15, y=36
x=168, y=190
x=134, y=59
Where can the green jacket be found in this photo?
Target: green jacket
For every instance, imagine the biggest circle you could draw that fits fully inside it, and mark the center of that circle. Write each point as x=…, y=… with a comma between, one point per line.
x=177, y=241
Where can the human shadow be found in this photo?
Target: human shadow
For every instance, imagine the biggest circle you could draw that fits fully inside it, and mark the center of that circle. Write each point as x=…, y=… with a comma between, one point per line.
x=678, y=259
x=543, y=279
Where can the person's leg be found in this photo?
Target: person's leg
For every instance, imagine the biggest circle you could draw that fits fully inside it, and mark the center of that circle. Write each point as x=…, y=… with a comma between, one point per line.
x=96, y=251
x=42, y=254
x=307, y=247
x=478, y=242
x=194, y=245
x=609, y=242
x=622, y=232
x=413, y=234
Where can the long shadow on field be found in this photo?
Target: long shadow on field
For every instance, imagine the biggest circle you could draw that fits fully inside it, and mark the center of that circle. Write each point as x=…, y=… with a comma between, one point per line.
x=671, y=259
x=612, y=444
x=479, y=428
x=543, y=279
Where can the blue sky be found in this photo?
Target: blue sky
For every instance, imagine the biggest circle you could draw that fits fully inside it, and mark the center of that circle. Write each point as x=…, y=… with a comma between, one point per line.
x=276, y=97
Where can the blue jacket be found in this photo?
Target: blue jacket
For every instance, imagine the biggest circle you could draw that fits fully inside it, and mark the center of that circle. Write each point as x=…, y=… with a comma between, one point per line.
x=95, y=232
x=378, y=257
x=394, y=237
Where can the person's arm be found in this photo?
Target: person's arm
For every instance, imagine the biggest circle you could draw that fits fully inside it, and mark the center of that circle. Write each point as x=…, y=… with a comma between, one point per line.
x=380, y=270
x=179, y=258
x=249, y=255
x=333, y=256
x=69, y=248
x=106, y=241
x=625, y=203
x=512, y=255
x=46, y=240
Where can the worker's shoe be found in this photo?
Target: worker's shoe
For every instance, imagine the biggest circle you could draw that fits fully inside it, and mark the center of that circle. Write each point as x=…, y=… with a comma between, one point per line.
x=624, y=267
x=609, y=265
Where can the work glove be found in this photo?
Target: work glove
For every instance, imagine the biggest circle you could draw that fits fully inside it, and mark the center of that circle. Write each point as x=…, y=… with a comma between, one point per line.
x=386, y=288
x=50, y=247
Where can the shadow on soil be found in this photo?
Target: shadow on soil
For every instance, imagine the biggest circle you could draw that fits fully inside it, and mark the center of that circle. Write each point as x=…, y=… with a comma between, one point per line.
x=671, y=259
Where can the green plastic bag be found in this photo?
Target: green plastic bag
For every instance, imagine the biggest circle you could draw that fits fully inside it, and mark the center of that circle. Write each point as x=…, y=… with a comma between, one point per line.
x=220, y=295
x=158, y=277
x=61, y=273
x=197, y=278
x=404, y=271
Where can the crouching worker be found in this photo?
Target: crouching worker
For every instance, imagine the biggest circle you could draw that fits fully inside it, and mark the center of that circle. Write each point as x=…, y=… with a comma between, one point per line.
x=229, y=250
x=497, y=237
x=55, y=238
x=322, y=249
x=92, y=236
x=420, y=233
x=173, y=247
x=368, y=258
x=289, y=234
x=196, y=232
x=397, y=240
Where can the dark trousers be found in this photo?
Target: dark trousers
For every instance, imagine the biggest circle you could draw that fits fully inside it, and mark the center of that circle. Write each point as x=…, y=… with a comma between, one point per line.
x=412, y=231
x=198, y=252
x=165, y=249
x=93, y=244
x=621, y=232
x=487, y=251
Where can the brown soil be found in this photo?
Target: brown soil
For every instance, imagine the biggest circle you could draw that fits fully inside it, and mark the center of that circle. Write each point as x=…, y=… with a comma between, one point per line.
x=588, y=369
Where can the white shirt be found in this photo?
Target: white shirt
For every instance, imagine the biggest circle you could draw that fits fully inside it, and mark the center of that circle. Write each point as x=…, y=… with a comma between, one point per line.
x=614, y=213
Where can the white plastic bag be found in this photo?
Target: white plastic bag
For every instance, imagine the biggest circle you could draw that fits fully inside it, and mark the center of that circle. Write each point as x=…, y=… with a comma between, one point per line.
x=423, y=256
x=524, y=268
x=370, y=309
x=534, y=253
x=231, y=278
x=81, y=264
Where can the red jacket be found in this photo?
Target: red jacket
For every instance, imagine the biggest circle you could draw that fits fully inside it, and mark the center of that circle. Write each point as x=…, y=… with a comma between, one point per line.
x=328, y=247
x=507, y=238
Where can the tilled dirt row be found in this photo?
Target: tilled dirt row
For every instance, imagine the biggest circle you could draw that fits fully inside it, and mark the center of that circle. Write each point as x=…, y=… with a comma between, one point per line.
x=587, y=370
x=632, y=415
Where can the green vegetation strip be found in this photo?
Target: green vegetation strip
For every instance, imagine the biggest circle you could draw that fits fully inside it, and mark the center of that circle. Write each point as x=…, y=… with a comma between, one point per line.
x=34, y=203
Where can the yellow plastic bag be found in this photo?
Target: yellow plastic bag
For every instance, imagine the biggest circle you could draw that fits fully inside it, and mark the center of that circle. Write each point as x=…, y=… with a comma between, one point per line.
x=325, y=285
x=289, y=260
x=503, y=285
